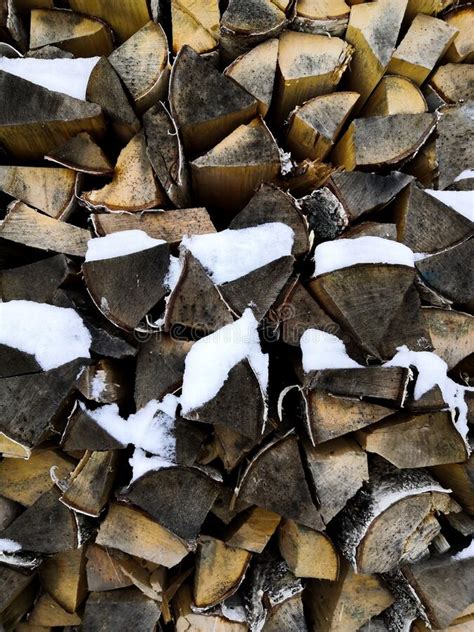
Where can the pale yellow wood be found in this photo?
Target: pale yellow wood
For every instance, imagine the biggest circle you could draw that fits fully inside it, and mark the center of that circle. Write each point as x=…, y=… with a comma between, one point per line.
x=307, y=552
x=11, y=448
x=426, y=41
x=133, y=532
x=195, y=22
x=319, y=9
x=47, y=612
x=124, y=17
x=454, y=82
x=63, y=576
x=395, y=95
x=255, y=531
x=428, y=7
x=321, y=16
x=451, y=332
x=462, y=49
x=189, y=621
x=26, y=480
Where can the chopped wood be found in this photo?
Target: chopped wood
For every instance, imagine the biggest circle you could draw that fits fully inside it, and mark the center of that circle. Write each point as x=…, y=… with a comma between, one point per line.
x=103, y=569
x=195, y=24
x=453, y=82
x=395, y=95
x=451, y=332
x=452, y=154
x=321, y=17
x=127, y=609
x=307, y=552
x=187, y=619
x=461, y=50
x=82, y=154
x=47, y=612
x=125, y=21
x=458, y=477
x=63, y=576
x=252, y=529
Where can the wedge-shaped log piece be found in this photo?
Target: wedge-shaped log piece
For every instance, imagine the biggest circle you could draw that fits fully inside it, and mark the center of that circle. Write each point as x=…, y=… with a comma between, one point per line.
x=165, y=152
x=245, y=24
x=453, y=83
x=288, y=615
x=427, y=7
x=255, y=72
x=139, y=276
x=235, y=167
x=48, y=613
x=450, y=272
x=452, y=334
x=105, y=88
x=82, y=433
x=308, y=66
x=133, y=187
x=395, y=95
x=462, y=48
x=373, y=32
x=222, y=104
x=362, y=193
x=460, y=478
x=444, y=584
x=315, y=126
x=185, y=497
x=259, y=288
x=127, y=609
x=63, y=576
x=346, y=604
x=338, y=469
x=372, y=229
x=89, y=486
x=13, y=583
x=426, y=41
x=307, y=552
x=81, y=153
x=187, y=619
x=427, y=225
x=196, y=24
x=31, y=404
x=252, y=529
x=288, y=495
x=409, y=441
x=452, y=153
x=142, y=64
x=232, y=446
x=26, y=480
x=23, y=225
x=195, y=303
x=321, y=17
x=46, y=527
x=49, y=190
x=382, y=141
x=347, y=293
x=160, y=367
x=130, y=530
x=80, y=35
x=392, y=520
x=124, y=19
x=219, y=571
x=270, y=204
x=34, y=120
x=104, y=570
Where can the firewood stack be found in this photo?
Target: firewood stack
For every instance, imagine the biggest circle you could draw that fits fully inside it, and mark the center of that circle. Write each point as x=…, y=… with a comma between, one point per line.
x=236, y=316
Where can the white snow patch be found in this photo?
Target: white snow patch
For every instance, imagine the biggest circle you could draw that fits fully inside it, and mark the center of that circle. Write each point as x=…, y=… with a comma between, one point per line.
x=9, y=546
x=461, y=201
x=464, y=175
x=141, y=463
x=286, y=162
x=174, y=272
x=210, y=359
x=466, y=553
x=343, y=253
x=54, y=335
x=124, y=242
x=68, y=76
x=230, y=254
x=98, y=384
x=324, y=351
x=432, y=371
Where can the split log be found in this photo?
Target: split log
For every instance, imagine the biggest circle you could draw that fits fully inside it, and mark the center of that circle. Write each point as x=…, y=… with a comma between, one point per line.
x=409, y=441
x=235, y=167
x=451, y=332
x=195, y=24
x=337, y=605
x=103, y=569
x=164, y=150
x=308, y=66
x=263, y=485
x=392, y=520
x=133, y=187
x=63, y=576
x=80, y=35
x=382, y=141
x=424, y=44
x=461, y=50
x=125, y=20
x=187, y=619
x=372, y=229
x=222, y=105
x=424, y=166
x=127, y=609
x=453, y=83
x=14, y=584
x=220, y=570
x=167, y=225
x=48, y=613
x=288, y=615
x=321, y=17
x=307, y=552
x=373, y=32
x=142, y=64
x=252, y=529
x=82, y=154
x=453, y=155
x=231, y=446
x=427, y=7
x=315, y=126
x=34, y=120
x=460, y=478
x=255, y=72
x=395, y=95
x=10, y=617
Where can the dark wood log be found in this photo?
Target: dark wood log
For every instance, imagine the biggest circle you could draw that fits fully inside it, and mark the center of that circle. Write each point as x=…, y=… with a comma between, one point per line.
x=126, y=608
x=452, y=154
x=125, y=21
x=36, y=281
x=63, y=576
x=81, y=153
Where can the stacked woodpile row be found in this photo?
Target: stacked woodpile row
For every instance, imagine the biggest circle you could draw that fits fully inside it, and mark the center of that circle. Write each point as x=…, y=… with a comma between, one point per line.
x=236, y=315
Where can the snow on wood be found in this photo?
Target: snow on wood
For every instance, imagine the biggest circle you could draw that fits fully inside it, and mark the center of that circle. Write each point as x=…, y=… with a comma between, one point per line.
x=119, y=244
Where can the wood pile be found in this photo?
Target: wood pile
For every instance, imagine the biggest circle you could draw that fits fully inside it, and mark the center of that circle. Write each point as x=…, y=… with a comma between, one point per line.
x=236, y=315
